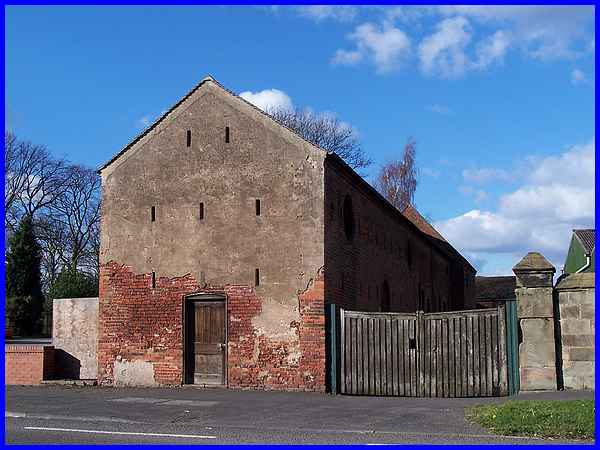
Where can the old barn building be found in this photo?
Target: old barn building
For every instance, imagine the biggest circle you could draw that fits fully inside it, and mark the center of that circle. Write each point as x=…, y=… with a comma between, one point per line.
x=224, y=234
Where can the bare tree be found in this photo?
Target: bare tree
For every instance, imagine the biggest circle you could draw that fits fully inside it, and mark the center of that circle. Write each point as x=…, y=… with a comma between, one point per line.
x=32, y=180
x=64, y=201
x=52, y=238
x=325, y=131
x=397, y=180
x=77, y=212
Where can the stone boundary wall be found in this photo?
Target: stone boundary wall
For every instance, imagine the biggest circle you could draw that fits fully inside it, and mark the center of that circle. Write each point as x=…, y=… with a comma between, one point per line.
x=576, y=308
x=28, y=363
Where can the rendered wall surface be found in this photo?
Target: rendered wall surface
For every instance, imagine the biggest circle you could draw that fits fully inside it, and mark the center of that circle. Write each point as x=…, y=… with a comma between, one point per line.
x=75, y=337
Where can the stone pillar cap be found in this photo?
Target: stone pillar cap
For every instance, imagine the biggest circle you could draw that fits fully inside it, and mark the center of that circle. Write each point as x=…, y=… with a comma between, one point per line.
x=534, y=262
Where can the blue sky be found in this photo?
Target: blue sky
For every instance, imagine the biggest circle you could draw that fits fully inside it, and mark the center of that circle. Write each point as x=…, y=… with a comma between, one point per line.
x=500, y=100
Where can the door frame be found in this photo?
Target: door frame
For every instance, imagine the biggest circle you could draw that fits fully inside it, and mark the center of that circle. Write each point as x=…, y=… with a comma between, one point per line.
x=203, y=297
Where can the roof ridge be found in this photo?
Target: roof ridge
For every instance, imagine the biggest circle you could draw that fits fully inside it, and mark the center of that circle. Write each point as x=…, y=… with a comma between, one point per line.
x=205, y=79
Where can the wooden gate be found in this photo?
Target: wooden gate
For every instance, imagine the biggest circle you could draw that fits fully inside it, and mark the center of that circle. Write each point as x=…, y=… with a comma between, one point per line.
x=450, y=354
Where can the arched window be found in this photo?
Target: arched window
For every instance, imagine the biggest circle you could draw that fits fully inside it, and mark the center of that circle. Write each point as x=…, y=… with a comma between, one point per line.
x=386, y=303
x=348, y=218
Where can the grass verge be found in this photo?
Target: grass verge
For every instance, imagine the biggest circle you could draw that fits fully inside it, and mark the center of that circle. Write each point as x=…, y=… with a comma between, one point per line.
x=570, y=419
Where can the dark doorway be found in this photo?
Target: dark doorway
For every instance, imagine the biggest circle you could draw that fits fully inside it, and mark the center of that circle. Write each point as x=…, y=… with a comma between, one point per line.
x=386, y=303
x=205, y=336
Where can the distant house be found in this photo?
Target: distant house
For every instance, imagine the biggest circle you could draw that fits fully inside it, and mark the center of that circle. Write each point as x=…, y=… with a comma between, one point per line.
x=489, y=291
x=580, y=257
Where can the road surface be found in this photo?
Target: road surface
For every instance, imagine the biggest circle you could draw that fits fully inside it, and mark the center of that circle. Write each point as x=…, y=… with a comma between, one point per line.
x=98, y=415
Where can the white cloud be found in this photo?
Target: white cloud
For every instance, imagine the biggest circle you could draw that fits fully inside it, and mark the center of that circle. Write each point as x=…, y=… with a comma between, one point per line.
x=268, y=99
x=323, y=12
x=439, y=109
x=443, y=52
x=478, y=195
x=492, y=49
x=347, y=57
x=556, y=197
x=385, y=46
x=543, y=32
x=578, y=77
x=485, y=175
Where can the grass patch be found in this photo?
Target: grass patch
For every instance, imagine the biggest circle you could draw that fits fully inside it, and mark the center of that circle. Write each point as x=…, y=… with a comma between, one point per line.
x=572, y=419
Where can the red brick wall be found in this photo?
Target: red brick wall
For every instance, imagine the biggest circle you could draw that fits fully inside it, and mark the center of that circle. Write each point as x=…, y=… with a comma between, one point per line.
x=379, y=251
x=28, y=363
x=139, y=323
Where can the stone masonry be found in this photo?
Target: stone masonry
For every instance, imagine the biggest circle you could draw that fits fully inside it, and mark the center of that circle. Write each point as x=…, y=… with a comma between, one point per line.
x=537, y=355
x=575, y=295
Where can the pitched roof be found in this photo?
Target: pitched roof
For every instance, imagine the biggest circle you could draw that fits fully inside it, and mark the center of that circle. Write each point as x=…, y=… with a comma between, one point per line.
x=495, y=288
x=587, y=239
x=413, y=215
x=159, y=120
x=533, y=261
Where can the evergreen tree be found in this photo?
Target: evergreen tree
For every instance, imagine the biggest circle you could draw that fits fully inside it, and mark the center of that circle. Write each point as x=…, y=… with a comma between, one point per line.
x=24, y=298
x=73, y=284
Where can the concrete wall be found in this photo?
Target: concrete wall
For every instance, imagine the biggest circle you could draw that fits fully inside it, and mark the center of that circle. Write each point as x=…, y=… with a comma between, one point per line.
x=261, y=161
x=75, y=337
x=575, y=294
x=384, y=247
x=28, y=363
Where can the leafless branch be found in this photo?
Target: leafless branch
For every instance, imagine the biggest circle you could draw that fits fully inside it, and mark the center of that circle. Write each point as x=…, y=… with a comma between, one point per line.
x=325, y=131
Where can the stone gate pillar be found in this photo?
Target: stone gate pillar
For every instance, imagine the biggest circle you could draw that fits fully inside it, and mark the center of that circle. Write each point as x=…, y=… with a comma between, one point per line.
x=537, y=358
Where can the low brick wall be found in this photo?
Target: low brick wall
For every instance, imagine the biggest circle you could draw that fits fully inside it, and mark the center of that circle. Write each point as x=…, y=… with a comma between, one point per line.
x=28, y=363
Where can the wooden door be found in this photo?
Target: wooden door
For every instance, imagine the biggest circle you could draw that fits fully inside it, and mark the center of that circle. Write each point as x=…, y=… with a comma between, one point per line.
x=209, y=343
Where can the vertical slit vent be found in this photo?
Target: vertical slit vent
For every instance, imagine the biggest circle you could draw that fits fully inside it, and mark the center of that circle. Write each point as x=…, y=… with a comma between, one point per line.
x=153, y=213
x=256, y=277
x=153, y=280
x=227, y=135
x=201, y=211
x=258, y=207
x=189, y=138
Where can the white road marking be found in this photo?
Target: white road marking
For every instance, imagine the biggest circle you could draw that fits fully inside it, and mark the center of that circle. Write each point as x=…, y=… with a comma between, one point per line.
x=125, y=433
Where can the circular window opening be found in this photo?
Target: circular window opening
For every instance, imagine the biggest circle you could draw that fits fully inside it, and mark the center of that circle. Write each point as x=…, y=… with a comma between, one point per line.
x=348, y=218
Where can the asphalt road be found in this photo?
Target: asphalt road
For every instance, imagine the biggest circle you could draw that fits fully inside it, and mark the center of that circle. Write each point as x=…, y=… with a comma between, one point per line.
x=95, y=415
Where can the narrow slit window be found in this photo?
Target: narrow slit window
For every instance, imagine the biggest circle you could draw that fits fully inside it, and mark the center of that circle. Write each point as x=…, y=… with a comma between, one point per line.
x=153, y=280
x=201, y=211
x=258, y=207
x=256, y=277
x=227, y=135
x=189, y=138
x=153, y=214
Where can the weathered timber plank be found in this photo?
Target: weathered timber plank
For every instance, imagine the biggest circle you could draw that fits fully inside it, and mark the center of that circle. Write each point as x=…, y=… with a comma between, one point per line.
x=502, y=356
x=476, y=344
x=377, y=361
x=451, y=358
x=395, y=349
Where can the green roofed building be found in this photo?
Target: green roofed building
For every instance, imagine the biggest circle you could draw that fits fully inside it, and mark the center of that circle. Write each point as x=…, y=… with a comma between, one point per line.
x=580, y=257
